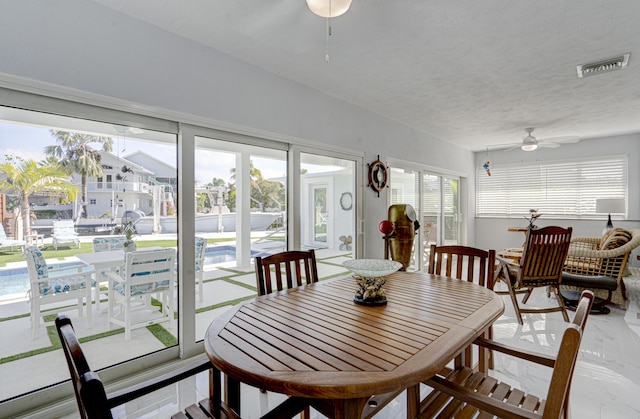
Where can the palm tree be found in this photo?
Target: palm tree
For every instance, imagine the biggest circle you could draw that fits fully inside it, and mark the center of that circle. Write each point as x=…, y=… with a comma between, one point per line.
x=77, y=156
x=25, y=177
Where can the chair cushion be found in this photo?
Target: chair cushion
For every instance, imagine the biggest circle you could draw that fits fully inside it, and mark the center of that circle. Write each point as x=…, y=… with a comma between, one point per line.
x=54, y=286
x=140, y=289
x=615, y=238
x=590, y=282
x=39, y=262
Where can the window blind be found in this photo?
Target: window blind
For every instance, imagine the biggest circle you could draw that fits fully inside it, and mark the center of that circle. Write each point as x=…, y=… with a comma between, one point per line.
x=567, y=189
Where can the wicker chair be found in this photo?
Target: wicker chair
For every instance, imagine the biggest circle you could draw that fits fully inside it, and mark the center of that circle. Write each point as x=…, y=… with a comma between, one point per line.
x=602, y=270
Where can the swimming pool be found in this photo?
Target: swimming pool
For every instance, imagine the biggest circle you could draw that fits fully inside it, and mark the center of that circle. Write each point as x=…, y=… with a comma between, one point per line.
x=16, y=280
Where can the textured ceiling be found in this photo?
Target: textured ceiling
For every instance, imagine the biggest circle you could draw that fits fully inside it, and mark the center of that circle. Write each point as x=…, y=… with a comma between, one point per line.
x=473, y=73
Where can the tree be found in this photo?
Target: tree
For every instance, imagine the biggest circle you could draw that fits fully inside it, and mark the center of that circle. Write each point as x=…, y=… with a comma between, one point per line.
x=25, y=177
x=78, y=156
x=264, y=193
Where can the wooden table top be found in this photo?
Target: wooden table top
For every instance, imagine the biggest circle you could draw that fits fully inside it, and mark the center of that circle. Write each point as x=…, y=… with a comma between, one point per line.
x=315, y=342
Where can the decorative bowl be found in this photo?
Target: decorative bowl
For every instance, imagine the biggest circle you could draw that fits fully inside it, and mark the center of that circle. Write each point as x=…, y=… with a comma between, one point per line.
x=372, y=268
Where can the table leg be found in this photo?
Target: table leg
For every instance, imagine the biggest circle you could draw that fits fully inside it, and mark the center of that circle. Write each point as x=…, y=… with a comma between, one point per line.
x=349, y=408
x=232, y=393
x=413, y=401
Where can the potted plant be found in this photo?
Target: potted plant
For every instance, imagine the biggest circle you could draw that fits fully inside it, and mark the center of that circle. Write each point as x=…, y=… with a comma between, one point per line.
x=129, y=244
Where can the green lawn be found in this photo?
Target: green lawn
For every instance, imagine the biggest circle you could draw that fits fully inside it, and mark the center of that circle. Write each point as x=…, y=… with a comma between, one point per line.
x=67, y=251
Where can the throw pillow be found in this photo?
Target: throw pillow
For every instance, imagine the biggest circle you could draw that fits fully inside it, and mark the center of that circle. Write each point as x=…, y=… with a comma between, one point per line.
x=615, y=238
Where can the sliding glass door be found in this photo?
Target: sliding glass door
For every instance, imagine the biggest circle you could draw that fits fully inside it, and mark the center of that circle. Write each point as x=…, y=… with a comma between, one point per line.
x=327, y=203
x=436, y=200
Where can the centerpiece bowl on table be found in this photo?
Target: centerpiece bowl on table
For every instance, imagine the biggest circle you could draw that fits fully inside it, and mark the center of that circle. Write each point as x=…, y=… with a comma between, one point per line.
x=370, y=274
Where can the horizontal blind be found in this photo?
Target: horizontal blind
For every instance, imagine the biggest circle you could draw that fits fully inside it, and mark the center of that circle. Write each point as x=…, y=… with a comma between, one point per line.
x=568, y=189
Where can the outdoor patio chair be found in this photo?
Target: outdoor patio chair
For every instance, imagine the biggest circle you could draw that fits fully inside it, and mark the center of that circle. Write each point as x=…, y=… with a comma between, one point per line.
x=52, y=285
x=201, y=248
x=10, y=243
x=64, y=233
x=543, y=256
x=468, y=393
x=145, y=273
x=106, y=243
x=472, y=265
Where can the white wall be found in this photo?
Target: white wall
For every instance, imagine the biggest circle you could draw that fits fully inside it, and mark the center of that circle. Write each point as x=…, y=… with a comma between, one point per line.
x=491, y=233
x=77, y=44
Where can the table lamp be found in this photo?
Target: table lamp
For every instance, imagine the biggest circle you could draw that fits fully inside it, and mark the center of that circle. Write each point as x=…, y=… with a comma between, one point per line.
x=609, y=206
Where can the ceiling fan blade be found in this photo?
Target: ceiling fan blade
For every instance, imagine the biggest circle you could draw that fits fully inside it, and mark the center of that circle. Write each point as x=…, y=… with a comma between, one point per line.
x=571, y=139
x=547, y=144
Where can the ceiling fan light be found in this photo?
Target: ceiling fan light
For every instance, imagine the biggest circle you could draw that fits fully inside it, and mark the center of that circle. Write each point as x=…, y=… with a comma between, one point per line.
x=529, y=147
x=329, y=8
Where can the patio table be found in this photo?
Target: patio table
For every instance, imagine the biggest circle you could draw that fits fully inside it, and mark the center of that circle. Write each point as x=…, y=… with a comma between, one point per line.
x=314, y=342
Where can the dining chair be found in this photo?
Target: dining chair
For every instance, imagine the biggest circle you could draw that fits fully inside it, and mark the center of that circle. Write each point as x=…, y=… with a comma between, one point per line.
x=467, y=393
x=543, y=258
x=145, y=272
x=470, y=264
x=52, y=285
x=92, y=399
x=106, y=243
x=299, y=262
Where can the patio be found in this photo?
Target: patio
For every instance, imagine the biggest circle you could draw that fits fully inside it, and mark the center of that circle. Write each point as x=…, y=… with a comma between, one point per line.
x=224, y=285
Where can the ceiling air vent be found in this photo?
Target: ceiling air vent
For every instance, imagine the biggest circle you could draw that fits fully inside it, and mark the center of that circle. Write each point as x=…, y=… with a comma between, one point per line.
x=617, y=63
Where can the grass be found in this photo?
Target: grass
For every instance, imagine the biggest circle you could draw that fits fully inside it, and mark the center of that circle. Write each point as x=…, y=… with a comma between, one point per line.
x=66, y=251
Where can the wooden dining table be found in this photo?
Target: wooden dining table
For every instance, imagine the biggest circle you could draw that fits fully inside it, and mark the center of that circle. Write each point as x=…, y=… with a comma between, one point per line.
x=314, y=342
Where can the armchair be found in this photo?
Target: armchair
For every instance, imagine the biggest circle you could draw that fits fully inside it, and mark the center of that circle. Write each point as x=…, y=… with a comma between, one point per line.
x=600, y=264
x=145, y=272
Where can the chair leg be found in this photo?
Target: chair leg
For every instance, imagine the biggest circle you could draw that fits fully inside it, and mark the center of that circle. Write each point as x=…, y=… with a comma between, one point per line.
x=556, y=290
x=35, y=317
x=527, y=295
x=127, y=319
x=514, y=300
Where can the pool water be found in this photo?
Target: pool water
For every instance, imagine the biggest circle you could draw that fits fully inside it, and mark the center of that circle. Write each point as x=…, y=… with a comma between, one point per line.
x=16, y=280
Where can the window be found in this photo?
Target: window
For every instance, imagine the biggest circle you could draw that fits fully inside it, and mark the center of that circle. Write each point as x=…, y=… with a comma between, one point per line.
x=567, y=189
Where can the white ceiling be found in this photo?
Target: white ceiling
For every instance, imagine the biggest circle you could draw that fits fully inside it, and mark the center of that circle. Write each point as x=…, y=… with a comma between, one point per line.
x=473, y=73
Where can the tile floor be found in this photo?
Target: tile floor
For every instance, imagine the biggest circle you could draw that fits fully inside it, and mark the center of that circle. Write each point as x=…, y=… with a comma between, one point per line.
x=606, y=381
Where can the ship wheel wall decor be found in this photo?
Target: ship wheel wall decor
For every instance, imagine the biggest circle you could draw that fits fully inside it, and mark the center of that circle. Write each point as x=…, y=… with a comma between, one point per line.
x=378, y=175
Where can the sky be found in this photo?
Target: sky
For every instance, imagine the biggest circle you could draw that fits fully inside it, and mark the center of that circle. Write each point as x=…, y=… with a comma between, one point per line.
x=29, y=143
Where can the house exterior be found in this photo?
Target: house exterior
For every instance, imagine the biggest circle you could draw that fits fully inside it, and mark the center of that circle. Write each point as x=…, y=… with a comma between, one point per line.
x=128, y=183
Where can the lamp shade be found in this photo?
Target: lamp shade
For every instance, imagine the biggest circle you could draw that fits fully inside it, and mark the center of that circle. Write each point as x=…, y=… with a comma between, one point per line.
x=610, y=206
x=329, y=8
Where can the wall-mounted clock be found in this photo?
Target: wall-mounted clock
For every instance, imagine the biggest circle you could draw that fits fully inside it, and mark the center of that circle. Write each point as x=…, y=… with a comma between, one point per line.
x=378, y=175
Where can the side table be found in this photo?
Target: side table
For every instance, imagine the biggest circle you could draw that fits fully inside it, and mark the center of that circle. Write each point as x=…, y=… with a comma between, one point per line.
x=36, y=238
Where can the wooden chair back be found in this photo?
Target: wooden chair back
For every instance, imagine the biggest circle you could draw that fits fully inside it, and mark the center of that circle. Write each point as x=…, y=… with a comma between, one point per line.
x=469, y=393
x=543, y=256
x=299, y=268
x=87, y=386
x=558, y=395
x=462, y=262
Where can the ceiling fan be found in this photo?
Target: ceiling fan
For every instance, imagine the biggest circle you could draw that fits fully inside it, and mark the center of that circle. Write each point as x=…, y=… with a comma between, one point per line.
x=530, y=143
